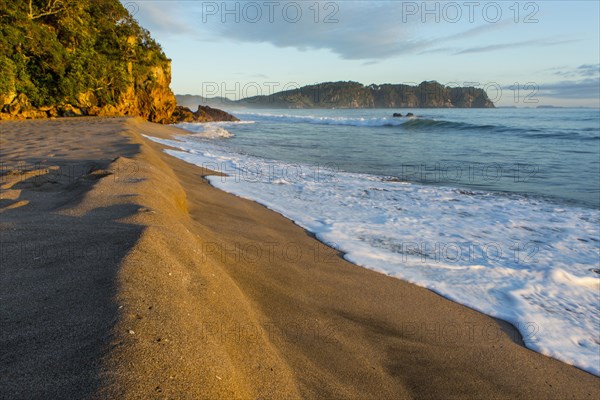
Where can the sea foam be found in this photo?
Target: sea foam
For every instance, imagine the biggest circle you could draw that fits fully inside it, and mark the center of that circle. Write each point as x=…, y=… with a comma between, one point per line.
x=210, y=130
x=321, y=120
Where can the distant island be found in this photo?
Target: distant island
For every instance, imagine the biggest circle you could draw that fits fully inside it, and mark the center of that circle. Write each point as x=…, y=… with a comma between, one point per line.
x=429, y=94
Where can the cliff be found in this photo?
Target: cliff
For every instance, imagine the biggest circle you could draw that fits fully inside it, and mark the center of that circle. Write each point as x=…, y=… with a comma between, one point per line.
x=83, y=57
x=355, y=95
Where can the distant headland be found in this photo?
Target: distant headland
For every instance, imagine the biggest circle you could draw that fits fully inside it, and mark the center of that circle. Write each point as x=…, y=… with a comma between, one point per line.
x=429, y=94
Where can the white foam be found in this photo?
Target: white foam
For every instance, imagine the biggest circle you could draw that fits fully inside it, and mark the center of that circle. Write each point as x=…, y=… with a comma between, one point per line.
x=311, y=119
x=523, y=260
x=211, y=130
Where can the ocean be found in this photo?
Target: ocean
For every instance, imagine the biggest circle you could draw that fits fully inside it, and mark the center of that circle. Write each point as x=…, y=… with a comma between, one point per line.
x=496, y=209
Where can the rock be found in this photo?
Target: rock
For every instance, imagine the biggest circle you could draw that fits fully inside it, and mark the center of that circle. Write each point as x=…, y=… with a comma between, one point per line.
x=11, y=108
x=155, y=100
x=18, y=105
x=183, y=114
x=67, y=110
x=52, y=112
x=396, y=115
x=203, y=114
x=213, y=114
x=33, y=114
x=7, y=98
x=409, y=115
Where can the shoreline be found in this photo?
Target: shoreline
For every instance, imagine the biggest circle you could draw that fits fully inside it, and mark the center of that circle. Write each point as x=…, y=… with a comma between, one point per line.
x=531, y=276
x=211, y=319
x=504, y=325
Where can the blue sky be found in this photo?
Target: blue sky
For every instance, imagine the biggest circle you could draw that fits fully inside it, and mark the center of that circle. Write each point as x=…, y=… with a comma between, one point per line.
x=548, y=50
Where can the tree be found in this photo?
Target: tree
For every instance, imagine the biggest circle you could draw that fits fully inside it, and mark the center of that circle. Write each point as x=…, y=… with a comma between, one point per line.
x=51, y=7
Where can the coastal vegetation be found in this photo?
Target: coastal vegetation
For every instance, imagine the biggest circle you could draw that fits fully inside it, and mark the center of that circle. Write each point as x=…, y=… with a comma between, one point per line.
x=80, y=57
x=429, y=94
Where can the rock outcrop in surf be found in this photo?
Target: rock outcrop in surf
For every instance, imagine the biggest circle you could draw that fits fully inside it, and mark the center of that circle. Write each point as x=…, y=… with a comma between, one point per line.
x=202, y=114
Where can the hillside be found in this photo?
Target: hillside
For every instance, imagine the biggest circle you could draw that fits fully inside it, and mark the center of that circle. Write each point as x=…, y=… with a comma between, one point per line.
x=80, y=57
x=355, y=95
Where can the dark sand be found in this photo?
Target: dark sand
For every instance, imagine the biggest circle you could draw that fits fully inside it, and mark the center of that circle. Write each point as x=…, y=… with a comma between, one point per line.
x=125, y=275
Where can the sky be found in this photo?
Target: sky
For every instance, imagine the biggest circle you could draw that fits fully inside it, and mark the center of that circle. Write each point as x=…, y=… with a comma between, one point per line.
x=523, y=53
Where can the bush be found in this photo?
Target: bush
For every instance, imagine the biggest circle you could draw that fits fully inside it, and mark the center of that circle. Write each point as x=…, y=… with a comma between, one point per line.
x=81, y=46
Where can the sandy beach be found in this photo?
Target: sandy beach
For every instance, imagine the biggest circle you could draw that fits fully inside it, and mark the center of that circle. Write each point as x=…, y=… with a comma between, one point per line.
x=126, y=275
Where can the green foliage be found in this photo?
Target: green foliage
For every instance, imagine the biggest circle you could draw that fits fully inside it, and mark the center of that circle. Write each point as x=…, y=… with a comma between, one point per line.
x=355, y=95
x=57, y=51
x=8, y=76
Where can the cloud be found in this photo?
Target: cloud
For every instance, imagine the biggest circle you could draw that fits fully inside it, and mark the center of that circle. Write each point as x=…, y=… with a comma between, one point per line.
x=513, y=45
x=574, y=89
x=582, y=71
x=363, y=31
x=589, y=69
x=161, y=16
x=478, y=30
x=354, y=30
x=467, y=34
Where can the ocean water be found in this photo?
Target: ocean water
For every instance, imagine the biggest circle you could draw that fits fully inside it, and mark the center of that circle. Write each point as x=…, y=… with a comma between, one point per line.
x=497, y=209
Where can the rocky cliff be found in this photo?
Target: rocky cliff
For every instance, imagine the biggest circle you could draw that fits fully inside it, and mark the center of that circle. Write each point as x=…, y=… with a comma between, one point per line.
x=80, y=57
x=355, y=95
